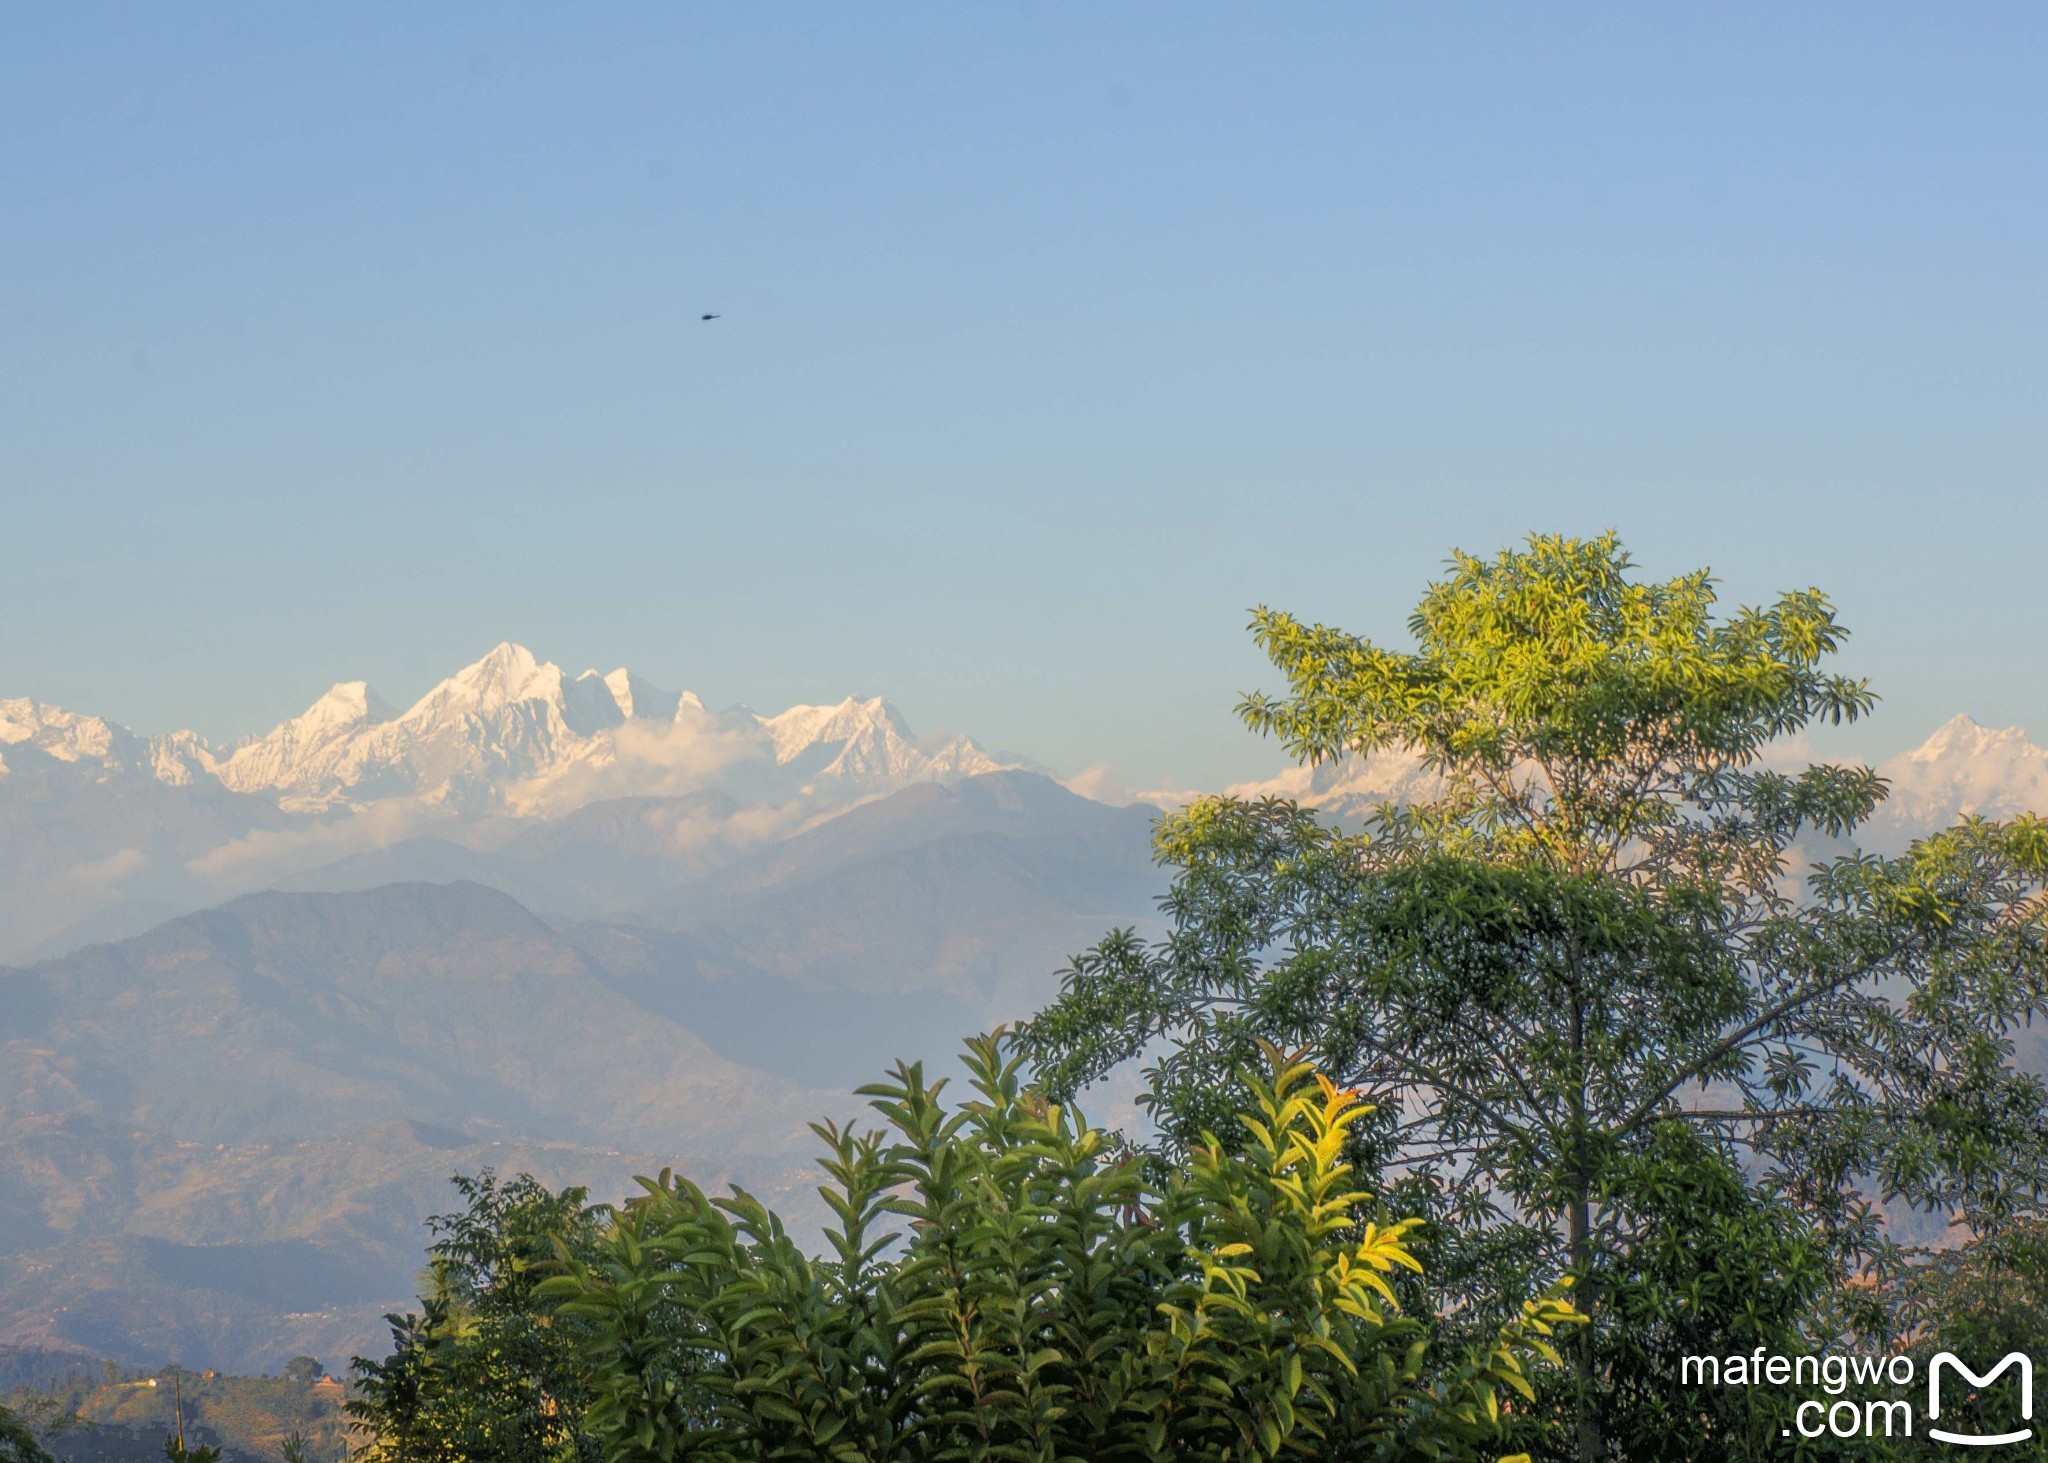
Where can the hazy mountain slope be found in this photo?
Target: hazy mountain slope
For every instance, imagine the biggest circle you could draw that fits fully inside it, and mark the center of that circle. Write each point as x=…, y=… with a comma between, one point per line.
x=1016, y=804
x=244, y=1255
x=223, y=1135
x=979, y=890
x=975, y=915
x=602, y=859
x=441, y=1003
x=835, y=1038
x=408, y=861
x=87, y=825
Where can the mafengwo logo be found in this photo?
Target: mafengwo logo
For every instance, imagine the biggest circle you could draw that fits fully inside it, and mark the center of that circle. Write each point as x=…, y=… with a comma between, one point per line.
x=1965, y=1407
x=1951, y=1365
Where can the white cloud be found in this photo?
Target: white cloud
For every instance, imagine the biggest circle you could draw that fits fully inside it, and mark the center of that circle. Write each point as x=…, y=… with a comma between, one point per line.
x=638, y=759
x=269, y=852
x=1102, y=784
x=100, y=875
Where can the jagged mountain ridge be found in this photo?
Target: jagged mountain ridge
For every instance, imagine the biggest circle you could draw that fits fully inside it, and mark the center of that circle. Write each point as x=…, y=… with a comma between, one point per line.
x=511, y=732
x=38, y=738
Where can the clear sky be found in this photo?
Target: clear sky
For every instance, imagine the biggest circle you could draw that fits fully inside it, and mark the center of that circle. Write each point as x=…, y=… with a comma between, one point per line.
x=347, y=341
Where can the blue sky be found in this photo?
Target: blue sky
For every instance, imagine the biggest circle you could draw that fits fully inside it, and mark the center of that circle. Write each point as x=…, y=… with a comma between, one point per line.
x=348, y=341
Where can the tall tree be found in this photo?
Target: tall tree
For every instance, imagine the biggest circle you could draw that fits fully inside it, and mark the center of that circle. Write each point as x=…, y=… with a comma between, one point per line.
x=1589, y=932
x=480, y=1373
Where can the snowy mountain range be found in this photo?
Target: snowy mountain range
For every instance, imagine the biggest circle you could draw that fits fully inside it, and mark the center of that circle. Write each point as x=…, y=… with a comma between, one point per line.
x=105, y=831
x=514, y=734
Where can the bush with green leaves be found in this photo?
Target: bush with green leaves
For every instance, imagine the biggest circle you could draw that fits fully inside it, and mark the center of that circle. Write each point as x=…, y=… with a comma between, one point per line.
x=1003, y=1284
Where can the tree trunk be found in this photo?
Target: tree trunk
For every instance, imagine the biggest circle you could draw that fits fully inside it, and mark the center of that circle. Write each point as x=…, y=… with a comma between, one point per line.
x=1579, y=1219
x=1592, y=1444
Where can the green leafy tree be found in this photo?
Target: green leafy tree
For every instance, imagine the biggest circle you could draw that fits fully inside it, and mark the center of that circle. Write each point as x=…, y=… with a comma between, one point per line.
x=1044, y=1299
x=1591, y=931
x=480, y=1374
x=18, y=1443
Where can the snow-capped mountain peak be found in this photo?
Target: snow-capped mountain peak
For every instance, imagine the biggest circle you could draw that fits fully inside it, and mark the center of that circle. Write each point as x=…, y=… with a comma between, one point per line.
x=637, y=698
x=1967, y=768
x=866, y=743
x=37, y=732
x=55, y=732
x=1964, y=736
x=802, y=728
x=314, y=736
x=346, y=705
x=508, y=674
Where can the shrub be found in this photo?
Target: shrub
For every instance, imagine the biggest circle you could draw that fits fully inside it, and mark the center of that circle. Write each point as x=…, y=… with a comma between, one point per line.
x=1042, y=1299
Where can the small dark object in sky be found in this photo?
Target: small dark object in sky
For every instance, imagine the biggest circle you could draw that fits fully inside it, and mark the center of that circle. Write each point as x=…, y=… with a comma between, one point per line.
x=708, y=317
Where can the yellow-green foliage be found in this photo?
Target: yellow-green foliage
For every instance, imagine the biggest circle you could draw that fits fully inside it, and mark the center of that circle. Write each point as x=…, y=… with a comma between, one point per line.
x=1002, y=1285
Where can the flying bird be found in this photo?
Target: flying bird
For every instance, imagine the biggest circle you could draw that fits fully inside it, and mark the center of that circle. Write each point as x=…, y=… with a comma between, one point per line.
x=709, y=317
